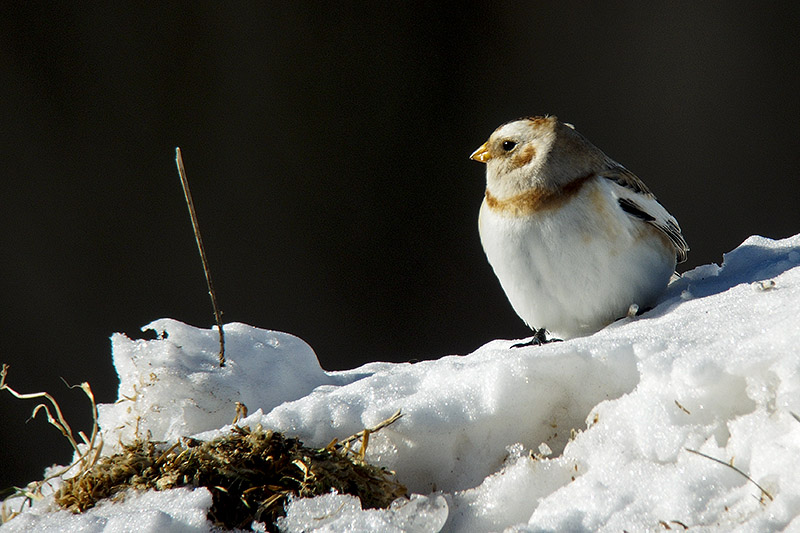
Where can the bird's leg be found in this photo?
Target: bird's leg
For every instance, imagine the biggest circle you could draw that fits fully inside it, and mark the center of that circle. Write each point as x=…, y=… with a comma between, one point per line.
x=539, y=338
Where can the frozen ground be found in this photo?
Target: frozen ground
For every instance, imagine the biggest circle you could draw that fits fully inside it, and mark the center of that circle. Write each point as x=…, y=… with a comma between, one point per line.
x=589, y=435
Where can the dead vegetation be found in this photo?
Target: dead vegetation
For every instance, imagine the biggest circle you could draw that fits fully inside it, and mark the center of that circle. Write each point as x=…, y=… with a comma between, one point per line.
x=250, y=473
x=87, y=451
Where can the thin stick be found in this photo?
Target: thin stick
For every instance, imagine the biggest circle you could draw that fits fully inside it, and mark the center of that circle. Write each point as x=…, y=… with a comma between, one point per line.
x=190, y=204
x=365, y=433
x=751, y=480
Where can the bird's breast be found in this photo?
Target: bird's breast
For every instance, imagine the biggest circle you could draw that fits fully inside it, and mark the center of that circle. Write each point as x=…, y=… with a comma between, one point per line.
x=536, y=199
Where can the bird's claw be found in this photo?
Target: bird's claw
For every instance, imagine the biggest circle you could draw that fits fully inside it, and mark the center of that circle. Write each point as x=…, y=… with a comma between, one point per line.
x=539, y=338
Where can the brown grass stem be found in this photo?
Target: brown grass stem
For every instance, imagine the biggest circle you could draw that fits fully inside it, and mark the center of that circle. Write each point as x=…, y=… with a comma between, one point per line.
x=751, y=480
x=198, y=237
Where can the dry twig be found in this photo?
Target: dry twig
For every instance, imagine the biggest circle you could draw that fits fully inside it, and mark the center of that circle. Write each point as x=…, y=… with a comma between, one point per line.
x=196, y=226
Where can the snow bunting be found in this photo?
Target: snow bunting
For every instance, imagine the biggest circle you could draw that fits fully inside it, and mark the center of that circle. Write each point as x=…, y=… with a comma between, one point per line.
x=574, y=237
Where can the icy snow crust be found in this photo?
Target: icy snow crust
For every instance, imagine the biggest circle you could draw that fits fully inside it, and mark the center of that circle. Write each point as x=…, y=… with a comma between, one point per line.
x=585, y=435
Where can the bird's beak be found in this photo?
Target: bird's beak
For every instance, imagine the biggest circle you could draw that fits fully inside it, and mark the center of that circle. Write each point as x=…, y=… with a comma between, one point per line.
x=481, y=154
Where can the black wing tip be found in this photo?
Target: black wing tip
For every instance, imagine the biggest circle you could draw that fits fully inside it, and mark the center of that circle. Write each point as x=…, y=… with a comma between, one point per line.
x=634, y=210
x=670, y=229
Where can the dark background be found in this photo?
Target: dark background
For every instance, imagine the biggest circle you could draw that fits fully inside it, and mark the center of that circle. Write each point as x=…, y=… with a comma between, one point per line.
x=327, y=149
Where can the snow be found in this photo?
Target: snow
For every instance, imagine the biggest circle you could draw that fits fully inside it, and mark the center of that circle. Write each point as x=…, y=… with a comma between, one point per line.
x=592, y=434
x=177, y=511
x=419, y=514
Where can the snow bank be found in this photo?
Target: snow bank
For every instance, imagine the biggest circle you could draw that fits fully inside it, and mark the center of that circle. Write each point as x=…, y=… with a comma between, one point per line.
x=592, y=434
x=176, y=511
x=174, y=387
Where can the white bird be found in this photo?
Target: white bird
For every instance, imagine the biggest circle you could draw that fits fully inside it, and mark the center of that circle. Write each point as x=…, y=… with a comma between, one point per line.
x=574, y=237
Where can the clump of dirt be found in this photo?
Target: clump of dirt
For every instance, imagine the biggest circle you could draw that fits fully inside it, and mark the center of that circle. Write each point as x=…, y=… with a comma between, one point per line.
x=250, y=473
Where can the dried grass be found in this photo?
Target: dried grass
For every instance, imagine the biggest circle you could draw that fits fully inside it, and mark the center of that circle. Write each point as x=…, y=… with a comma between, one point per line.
x=250, y=473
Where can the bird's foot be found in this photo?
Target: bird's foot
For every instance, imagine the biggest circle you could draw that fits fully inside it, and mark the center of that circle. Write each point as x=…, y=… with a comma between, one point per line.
x=539, y=338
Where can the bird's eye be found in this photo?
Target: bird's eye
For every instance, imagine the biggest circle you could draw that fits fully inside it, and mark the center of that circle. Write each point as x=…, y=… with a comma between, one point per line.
x=509, y=145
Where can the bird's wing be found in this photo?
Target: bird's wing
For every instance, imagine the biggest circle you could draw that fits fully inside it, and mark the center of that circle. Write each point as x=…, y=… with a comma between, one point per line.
x=625, y=178
x=635, y=199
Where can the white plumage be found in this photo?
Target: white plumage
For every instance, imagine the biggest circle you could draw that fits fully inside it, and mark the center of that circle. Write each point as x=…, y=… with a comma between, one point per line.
x=574, y=238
